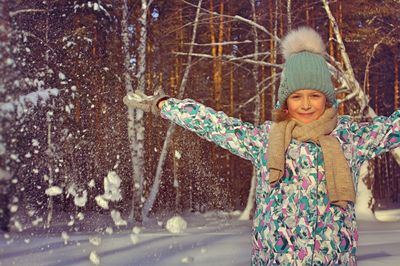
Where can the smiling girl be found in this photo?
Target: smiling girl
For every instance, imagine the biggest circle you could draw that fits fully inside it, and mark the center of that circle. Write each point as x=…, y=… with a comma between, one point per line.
x=307, y=160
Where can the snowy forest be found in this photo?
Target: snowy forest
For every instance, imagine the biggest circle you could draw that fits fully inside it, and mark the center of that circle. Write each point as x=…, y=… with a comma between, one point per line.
x=69, y=147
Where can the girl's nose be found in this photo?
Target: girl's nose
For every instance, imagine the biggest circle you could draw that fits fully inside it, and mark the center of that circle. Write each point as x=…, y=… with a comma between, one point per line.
x=305, y=104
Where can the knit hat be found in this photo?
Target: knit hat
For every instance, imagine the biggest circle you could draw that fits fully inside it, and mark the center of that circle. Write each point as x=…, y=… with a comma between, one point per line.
x=305, y=66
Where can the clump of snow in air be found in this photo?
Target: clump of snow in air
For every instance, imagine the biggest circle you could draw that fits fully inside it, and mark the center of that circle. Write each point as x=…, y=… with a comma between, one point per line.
x=65, y=237
x=101, y=202
x=135, y=235
x=134, y=239
x=177, y=154
x=61, y=75
x=37, y=221
x=176, y=225
x=95, y=240
x=112, y=191
x=187, y=259
x=109, y=230
x=13, y=208
x=80, y=201
x=53, y=191
x=80, y=216
x=35, y=143
x=136, y=230
x=116, y=216
x=94, y=258
x=91, y=183
x=18, y=226
x=80, y=196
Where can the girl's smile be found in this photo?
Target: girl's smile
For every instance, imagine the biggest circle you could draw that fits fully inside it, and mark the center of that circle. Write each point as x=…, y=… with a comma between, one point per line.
x=306, y=105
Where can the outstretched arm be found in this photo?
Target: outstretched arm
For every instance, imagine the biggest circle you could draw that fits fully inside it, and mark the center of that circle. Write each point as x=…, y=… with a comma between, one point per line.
x=240, y=138
x=376, y=137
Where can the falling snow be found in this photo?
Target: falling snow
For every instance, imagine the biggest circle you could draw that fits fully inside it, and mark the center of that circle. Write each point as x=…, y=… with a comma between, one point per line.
x=94, y=258
x=95, y=240
x=53, y=191
x=116, y=216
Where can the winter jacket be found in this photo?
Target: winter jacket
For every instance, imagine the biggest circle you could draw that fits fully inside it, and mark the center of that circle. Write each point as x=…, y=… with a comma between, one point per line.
x=294, y=223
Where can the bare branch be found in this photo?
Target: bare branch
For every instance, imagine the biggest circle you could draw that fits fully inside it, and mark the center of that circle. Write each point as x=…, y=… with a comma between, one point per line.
x=241, y=106
x=233, y=58
x=256, y=25
x=219, y=43
x=254, y=55
x=371, y=55
x=30, y=34
x=30, y=10
x=239, y=18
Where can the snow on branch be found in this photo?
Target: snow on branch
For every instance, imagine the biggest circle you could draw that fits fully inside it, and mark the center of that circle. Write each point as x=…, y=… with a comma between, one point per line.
x=27, y=102
x=96, y=6
x=29, y=10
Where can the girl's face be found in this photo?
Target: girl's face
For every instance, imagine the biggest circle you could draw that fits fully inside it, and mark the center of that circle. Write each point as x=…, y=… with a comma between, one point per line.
x=306, y=105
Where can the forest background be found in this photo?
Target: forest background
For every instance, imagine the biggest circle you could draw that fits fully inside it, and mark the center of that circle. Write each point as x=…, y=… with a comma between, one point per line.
x=66, y=138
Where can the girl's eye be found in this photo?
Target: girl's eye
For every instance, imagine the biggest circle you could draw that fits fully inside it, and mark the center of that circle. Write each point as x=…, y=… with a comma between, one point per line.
x=295, y=97
x=316, y=95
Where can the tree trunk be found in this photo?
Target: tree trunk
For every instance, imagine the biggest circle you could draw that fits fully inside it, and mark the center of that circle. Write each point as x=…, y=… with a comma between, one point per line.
x=396, y=82
x=289, y=15
x=246, y=214
x=131, y=112
x=157, y=179
x=49, y=114
x=273, y=23
x=50, y=206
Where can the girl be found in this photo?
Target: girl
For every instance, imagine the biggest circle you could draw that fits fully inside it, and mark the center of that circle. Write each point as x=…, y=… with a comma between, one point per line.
x=307, y=161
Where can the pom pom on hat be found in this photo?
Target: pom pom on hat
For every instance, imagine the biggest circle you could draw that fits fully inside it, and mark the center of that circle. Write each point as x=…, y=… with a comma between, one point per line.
x=302, y=39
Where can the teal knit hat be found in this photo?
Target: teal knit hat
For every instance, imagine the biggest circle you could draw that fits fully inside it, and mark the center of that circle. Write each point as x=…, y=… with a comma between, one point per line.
x=305, y=66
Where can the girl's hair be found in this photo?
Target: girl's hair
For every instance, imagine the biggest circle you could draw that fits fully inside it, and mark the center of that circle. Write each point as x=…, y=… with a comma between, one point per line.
x=282, y=114
x=279, y=115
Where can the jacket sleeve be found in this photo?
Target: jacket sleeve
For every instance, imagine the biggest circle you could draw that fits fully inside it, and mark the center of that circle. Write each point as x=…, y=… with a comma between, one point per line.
x=240, y=138
x=376, y=137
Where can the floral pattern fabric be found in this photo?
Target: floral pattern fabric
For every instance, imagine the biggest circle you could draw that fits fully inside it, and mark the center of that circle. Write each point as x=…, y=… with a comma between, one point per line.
x=294, y=222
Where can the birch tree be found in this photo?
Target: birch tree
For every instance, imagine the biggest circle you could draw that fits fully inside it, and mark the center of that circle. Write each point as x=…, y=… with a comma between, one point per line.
x=131, y=112
x=349, y=81
x=136, y=129
x=246, y=214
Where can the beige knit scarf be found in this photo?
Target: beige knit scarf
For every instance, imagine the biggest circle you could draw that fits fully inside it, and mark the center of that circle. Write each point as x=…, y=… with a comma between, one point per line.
x=338, y=177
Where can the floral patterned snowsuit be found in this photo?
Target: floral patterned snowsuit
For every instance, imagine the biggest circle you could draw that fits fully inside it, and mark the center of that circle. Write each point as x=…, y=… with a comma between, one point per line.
x=294, y=223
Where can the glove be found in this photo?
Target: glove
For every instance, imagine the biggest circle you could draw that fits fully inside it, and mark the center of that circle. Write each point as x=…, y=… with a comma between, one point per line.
x=147, y=103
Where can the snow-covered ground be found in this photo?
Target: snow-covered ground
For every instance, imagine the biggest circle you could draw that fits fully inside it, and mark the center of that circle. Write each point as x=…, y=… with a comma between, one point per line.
x=214, y=238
